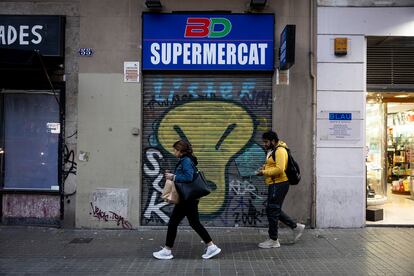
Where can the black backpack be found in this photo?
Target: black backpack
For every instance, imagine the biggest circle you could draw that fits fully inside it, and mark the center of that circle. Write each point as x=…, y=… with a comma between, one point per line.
x=292, y=170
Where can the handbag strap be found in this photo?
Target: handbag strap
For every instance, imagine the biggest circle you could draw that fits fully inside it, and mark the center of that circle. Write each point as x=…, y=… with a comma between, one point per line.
x=196, y=170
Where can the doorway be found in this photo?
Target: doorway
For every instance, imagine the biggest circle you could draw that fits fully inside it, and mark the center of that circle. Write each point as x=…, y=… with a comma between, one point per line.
x=390, y=156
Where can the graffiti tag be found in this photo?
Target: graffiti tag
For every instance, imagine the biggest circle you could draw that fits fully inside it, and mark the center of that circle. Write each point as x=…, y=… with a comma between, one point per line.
x=110, y=215
x=242, y=187
x=153, y=169
x=69, y=161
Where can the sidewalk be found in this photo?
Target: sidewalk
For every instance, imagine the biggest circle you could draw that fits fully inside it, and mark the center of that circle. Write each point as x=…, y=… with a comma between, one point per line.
x=47, y=251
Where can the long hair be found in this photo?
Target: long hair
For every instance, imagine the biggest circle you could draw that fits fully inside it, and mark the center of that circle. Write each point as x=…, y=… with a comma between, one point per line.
x=186, y=149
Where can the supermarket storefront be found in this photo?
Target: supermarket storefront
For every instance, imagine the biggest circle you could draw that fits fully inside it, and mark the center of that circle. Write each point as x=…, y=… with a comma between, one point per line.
x=208, y=79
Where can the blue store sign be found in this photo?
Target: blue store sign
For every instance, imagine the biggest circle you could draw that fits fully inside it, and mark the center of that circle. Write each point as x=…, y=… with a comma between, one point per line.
x=208, y=42
x=287, y=47
x=340, y=116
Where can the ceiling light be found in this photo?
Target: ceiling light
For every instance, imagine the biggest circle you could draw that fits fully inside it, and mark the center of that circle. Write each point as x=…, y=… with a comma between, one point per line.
x=153, y=4
x=257, y=4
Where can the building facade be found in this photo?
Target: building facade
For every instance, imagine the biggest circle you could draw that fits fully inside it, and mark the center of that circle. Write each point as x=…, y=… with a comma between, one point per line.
x=95, y=93
x=132, y=79
x=116, y=134
x=376, y=32
x=39, y=88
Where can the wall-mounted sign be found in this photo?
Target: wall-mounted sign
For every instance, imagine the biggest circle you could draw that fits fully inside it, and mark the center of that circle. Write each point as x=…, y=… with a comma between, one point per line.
x=131, y=71
x=85, y=52
x=208, y=41
x=44, y=33
x=333, y=116
x=338, y=125
x=287, y=47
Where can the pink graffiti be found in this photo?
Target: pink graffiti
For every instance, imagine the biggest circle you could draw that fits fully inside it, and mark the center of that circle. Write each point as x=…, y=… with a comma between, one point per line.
x=98, y=213
x=120, y=220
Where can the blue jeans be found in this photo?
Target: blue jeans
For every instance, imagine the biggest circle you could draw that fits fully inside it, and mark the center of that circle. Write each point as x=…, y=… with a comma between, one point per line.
x=276, y=195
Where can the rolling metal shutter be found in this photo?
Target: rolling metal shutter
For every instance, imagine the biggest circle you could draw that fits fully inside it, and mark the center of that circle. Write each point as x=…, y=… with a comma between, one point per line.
x=223, y=117
x=390, y=63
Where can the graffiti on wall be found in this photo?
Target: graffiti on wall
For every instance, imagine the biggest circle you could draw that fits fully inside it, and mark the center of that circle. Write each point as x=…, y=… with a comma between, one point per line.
x=70, y=166
x=96, y=212
x=110, y=204
x=224, y=121
x=69, y=163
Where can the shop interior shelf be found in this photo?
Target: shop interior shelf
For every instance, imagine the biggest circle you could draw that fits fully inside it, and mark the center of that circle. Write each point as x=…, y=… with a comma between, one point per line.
x=401, y=193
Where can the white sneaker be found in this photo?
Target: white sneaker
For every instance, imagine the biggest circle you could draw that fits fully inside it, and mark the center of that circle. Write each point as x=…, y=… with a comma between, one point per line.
x=298, y=231
x=211, y=251
x=163, y=254
x=269, y=243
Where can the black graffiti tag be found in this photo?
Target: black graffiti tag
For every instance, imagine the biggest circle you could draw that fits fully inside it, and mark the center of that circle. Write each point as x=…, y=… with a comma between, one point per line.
x=69, y=160
x=258, y=98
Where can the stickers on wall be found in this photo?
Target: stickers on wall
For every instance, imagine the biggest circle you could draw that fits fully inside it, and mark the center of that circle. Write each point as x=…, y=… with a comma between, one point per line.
x=53, y=128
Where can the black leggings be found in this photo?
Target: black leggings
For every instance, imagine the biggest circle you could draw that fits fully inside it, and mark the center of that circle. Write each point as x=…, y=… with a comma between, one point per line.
x=187, y=209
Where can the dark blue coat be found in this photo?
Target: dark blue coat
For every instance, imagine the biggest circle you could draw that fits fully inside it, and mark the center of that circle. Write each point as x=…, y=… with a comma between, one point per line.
x=184, y=171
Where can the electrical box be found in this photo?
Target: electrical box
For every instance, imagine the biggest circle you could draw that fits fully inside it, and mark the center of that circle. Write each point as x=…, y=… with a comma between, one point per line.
x=341, y=46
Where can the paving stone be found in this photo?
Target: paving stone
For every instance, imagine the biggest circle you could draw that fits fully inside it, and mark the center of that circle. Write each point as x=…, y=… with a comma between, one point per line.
x=50, y=251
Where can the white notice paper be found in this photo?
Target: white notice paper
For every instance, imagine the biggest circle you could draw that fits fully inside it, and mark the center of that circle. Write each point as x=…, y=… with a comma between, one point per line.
x=131, y=71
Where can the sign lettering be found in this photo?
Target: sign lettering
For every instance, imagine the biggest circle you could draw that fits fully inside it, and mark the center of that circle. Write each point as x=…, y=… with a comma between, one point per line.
x=206, y=27
x=206, y=42
x=33, y=32
x=340, y=116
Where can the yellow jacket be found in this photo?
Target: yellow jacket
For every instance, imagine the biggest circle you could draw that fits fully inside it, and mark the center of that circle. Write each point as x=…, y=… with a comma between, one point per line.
x=274, y=171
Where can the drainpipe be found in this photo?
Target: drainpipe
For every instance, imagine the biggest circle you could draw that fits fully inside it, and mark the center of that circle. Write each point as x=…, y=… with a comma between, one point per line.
x=312, y=19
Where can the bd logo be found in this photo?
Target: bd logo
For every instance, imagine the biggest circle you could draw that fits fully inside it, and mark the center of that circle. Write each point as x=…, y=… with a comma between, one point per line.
x=198, y=27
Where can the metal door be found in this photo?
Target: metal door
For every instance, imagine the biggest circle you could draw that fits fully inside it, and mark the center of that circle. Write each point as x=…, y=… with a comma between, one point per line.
x=223, y=117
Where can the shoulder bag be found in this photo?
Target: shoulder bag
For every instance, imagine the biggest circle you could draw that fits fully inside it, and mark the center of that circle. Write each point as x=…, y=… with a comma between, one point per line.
x=195, y=189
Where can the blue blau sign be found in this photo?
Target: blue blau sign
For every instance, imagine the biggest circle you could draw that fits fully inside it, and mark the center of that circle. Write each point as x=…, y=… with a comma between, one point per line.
x=340, y=116
x=208, y=42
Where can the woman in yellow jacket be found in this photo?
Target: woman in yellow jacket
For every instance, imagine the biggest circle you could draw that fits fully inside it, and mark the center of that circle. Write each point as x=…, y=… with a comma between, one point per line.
x=278, y=185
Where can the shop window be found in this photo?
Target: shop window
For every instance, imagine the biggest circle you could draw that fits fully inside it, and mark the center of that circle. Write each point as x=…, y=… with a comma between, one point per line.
x=400, y=137
x=375, y=159
x=390, y=146
x=31, y=141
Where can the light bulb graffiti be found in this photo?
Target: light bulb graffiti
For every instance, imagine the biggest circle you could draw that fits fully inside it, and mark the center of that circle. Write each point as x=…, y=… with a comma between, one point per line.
x=223, y=120
x=219, y=132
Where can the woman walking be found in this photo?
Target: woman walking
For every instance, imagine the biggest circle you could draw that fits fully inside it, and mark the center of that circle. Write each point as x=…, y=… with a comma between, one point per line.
x=184, y=172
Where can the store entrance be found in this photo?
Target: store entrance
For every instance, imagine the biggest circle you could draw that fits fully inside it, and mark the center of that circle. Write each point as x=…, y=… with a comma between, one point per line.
x=390, y=158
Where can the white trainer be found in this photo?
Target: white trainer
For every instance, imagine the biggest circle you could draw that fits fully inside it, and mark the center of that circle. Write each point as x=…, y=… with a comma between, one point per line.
x=298, y=231
x=211, y=251
x=269, y=243
x=163, y=254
